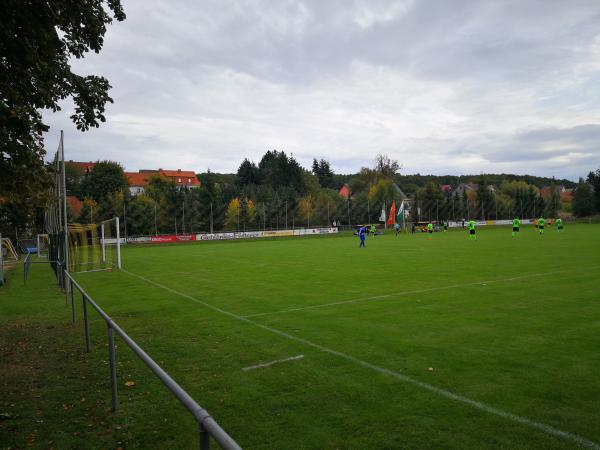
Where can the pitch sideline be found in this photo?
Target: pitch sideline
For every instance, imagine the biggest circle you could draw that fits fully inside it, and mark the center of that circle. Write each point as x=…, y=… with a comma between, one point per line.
x=442, y=392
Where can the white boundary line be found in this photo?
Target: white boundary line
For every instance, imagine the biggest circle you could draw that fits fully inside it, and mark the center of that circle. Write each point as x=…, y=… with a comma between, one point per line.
x=442, y=392
x=417, y=291
x=269, y=364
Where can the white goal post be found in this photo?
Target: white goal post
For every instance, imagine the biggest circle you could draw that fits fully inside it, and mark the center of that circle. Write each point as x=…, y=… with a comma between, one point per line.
x=106, y=241
x=94, y=247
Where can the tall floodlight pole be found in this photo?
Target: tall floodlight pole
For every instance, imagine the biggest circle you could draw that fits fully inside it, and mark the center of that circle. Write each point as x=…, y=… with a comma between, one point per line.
x=118, y=242
x=211, y=219
x=264, y=217
x=521, y=207
x=496, y=204
x=155, y=225
x=348, y=209
x=437, y=211
x=453, y=215
x=64, y=192
x=183, y=218
x=328, y=221
x=125, y=219
x=286, y=209
x=368, y=210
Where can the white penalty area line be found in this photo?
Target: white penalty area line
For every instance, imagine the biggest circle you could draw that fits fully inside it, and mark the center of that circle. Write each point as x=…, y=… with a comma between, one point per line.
x=549, y=430
x=405, y=293
x=269, y=364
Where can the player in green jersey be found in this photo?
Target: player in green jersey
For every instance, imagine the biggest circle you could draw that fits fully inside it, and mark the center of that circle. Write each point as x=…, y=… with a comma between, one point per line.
x=516, y=226
x=471, y=227
x=373, y=230
x=541, y=225
x=430, y=228
x=559, y=225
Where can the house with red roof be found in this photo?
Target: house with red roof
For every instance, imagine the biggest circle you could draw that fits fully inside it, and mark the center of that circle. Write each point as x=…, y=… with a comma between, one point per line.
x=86, y=167
x=138, y=181
x=183, y=179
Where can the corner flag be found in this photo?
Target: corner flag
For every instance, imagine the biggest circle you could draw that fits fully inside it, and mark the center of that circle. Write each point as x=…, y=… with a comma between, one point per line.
x=392, y=218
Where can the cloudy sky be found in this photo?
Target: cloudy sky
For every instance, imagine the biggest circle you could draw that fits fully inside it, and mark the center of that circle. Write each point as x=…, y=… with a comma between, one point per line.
x=442, y=86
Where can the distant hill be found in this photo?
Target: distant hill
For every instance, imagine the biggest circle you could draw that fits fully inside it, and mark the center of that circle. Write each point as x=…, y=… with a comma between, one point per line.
x=410, y=183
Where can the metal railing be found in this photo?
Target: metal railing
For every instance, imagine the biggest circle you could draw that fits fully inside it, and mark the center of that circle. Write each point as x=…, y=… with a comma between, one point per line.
x=207, y=426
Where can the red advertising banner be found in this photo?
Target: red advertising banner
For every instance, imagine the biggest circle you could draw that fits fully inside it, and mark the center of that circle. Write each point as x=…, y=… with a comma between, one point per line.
x=172, y=238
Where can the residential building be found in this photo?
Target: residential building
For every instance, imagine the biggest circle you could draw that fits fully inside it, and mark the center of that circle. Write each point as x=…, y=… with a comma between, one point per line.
x=86, y=167
x=183, y=179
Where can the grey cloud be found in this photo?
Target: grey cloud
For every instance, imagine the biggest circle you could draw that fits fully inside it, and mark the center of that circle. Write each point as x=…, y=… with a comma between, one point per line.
x=440, y=85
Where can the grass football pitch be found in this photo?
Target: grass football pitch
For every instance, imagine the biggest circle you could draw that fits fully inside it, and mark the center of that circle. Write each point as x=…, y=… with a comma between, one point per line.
x=412, y=342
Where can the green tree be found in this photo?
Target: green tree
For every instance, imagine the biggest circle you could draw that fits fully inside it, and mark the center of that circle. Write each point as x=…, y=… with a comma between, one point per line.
x=247, y=173
x=38, y=40
x=583, y=202
x=105, y=178
x=322, y=170
x=140, y=216
x=593, y=179
x=386, y=167
x=74, y=176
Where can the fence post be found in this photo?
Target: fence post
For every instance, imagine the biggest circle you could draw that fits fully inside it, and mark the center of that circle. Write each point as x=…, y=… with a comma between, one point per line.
x=85, y=323
x=204, y=438
x=72, y=303
x=113, y=367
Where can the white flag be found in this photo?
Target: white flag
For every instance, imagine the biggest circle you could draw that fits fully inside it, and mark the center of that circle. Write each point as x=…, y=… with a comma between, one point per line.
x=382, y=215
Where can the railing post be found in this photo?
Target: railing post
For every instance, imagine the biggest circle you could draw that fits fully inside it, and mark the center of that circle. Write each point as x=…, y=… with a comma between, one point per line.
x=64, y=286
x=113, y=367
x=85, y=323
x=67, y=298
x=72, y=303
x=204, y=438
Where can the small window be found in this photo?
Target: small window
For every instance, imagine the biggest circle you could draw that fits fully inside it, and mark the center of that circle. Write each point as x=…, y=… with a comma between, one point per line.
x=179, y=180
x=189, y=180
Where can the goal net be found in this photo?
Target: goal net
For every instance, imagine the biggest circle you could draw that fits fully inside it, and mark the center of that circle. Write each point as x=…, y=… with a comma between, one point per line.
x=94, y=247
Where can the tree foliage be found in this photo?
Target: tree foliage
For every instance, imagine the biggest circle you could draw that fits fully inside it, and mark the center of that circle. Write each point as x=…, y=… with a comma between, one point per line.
x=583, y=203
x=37, y=41
x=593, y=179
x=105, y=178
